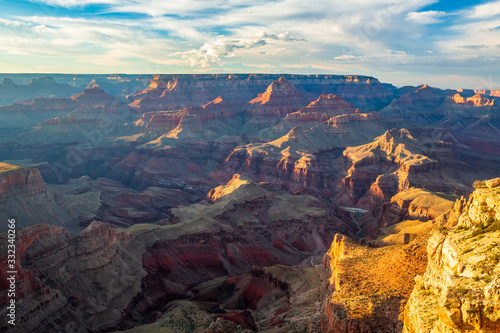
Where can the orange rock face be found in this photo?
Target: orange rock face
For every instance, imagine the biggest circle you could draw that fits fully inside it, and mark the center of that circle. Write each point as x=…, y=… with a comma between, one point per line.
x=369, y=287
x=279, y=99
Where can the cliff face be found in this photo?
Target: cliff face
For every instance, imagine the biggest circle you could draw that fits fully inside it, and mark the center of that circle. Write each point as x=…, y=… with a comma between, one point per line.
x=459, y=291
x=414, y=204
x=397, y=161
x=302, y=158
x=279, y=99
x=170, y=92
x=325, y=107
x=55, y=268
x=166, y=121
x=16, y=180
x=369, y=286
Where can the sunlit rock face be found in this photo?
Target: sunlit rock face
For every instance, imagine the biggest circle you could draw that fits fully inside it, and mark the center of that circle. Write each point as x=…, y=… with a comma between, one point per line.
x=459, y=289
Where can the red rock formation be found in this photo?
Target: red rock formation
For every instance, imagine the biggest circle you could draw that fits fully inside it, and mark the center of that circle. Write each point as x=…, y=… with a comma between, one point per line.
x=165, y=121
x=302, y=159
x=325, y=107
x=92, y=97
x=480, y=100
x=171, y=92
x=19, y=181
x=399, y=154
x=279, y=99
x=151, y=265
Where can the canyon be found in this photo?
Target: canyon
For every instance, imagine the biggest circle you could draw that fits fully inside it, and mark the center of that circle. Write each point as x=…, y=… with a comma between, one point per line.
x=249, y=203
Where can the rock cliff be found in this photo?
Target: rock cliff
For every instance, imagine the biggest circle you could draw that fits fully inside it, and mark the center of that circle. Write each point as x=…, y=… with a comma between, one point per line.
x=459, y=290
x=395, y=161
x=16, y=180
x=279, y=99
x=369, y=286
x=302, y=159
x=171, y=92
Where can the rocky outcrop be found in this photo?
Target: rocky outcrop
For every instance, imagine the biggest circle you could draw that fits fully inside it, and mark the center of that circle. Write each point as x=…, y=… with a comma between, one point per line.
x=459, y=290
x=93, y=96
x=477, y=100
x=54, y=269
x=302, y=159
x=394, y=162
x=423, y=99
x=278, y=298
x=279, y=99
x=368, y=287
x=166, y=121
x=325, y=107
x=15, y=180
x=330, y=108
x=414, y=204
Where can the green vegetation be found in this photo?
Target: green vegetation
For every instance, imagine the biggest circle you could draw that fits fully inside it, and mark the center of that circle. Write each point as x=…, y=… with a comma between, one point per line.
x=443, y=230
x=489, y=263
x=490, y=225
x=494, y=225
x=459, y=291
x=426, y=292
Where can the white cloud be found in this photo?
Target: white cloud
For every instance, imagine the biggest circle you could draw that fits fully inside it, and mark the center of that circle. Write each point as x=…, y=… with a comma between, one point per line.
x=211, y=52
x=75, y=3
x=428, y=17
x=10, y=23
x=388, y=51
x=351, y=57
x=486, y=10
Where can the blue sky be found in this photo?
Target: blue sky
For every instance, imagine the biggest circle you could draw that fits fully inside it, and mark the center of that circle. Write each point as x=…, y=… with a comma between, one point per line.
x=449, y=44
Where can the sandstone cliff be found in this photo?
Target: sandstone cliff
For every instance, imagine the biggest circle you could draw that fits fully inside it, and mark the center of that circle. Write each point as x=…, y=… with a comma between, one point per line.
x=16, y=180
x=171, y=92
x=459, y=290
x=279, y=99
x=369, y=286
x=398, y=160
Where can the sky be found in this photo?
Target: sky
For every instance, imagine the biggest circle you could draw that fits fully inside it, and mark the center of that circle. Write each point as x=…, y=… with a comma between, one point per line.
x=448, y=44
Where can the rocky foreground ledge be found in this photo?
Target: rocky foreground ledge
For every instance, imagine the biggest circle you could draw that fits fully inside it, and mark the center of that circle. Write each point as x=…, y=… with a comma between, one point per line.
x=460, y=290
x=446, y=280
